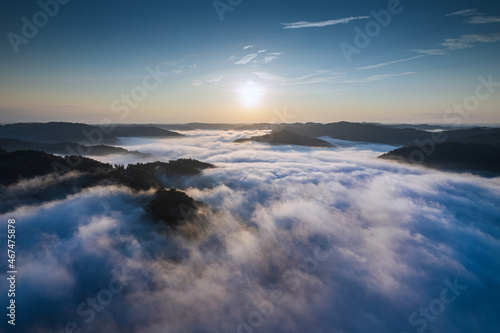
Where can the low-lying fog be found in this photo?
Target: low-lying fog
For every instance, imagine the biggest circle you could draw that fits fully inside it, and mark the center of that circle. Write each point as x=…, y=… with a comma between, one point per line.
x=300, y=240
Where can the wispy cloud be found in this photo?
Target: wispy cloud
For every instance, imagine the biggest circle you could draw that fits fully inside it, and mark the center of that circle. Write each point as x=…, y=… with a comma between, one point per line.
x=392, y=62
x=462, y=42
x=259, y=58
x=483, y=19
x=323, y=76
x=467, y=41
x=473, y=16
x=378, y=77
x=305, y=24
x=248, y=47
x=246, y=59
x=216, y=80
x=268, y=76
x=430, y=51
x=465, y=12
x=271, y=56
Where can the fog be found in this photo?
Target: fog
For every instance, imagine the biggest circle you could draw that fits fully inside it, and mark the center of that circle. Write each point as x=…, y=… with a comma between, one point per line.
x=298, y=240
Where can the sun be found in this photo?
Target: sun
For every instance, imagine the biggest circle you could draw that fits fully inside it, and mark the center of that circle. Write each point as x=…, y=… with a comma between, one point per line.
x=251, y=94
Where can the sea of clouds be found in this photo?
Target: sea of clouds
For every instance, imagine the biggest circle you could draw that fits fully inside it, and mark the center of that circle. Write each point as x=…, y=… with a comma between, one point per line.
x=298, y=240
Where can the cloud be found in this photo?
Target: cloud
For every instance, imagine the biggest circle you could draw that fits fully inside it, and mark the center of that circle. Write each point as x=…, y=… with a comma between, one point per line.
x=430, y=51
x=473, y=16
x=468, y=41
x=197, y=83
x=304, y=24
x=465, y=12
x=216, y=80
x=259, y=58
x=246, y=59
x=483, y=19
x=248, y=47
x=334, y=235
x=391, y=62
x=268, y=77
x=271, y=56
x=463, y=42
x=378, y=77
x=324, y=76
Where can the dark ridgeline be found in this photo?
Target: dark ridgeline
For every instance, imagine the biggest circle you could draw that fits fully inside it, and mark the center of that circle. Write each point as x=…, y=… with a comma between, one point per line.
x=475, y=150
x=26, y=164
x=472, y=149
x=64, y=148
x=172, y=208
x=286, y=137
x=55, y=132
x=453, y=153
x=360, y=132
x=453, y=156
x=145, y=176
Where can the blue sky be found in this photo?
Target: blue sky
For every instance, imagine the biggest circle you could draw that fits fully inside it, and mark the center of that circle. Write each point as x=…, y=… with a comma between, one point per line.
x=264, y=58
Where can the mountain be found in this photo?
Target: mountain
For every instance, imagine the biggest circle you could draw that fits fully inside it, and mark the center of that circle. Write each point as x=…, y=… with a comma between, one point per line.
x=55, y=132
x=426, y=127
x=173, y=207
x=65, y=148
x=359, y=132
x=259, y=126
x=479, y=135
x=143, y=131
x=149, y=175
x=452, y=156
x=176, y=127
x=286, y=137
x=215, y=127
x=25, y=164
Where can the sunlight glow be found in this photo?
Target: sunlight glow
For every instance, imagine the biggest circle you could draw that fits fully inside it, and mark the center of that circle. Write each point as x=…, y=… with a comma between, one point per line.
x=251, y=94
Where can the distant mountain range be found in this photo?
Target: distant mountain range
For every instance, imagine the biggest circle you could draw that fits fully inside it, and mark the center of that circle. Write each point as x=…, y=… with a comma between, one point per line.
x=286, y=137
x=56, y=137
x=66, y=148
x=359, y=132
x=452, y=156
x=56, y=132
x=396, y=135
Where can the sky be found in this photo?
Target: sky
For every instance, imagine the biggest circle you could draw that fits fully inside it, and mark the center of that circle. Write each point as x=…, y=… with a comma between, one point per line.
x=249, y=61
